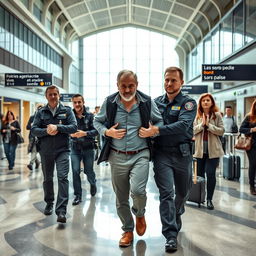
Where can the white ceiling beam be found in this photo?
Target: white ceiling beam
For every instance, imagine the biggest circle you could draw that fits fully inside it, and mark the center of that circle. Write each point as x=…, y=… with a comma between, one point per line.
x=217, y=7
x=200, y=4
x=169, y=14
x=45, y=9
x=109, y=13
x=149, y=14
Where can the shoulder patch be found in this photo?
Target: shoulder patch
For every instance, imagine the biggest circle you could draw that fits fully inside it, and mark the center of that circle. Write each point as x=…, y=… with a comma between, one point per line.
x=189, y=105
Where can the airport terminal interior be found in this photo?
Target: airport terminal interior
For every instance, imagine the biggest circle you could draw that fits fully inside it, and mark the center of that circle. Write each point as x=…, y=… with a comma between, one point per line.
x=80, y=46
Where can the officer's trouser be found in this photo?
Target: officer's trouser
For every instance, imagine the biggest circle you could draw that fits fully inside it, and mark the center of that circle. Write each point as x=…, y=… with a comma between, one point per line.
x=172, y=169
x=62, y=167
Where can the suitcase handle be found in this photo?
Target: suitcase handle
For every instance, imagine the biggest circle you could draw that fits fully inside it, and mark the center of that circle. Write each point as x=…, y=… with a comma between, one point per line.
x=195, y=171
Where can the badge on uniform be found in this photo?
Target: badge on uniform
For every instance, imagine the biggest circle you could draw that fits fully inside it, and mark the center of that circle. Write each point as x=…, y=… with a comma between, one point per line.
x=175, y=107
x=189, y=106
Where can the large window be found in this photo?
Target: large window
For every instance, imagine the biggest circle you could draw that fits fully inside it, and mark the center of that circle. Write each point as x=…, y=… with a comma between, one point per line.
x=250, y=20
x=238, y=27
x=145, y=52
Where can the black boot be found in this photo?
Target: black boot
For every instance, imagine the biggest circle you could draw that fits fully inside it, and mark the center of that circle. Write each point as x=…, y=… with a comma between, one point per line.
x=210, y=205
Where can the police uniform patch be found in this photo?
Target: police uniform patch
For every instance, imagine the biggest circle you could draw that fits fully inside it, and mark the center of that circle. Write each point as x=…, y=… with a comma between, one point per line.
x=175, y=107
x=189, y=106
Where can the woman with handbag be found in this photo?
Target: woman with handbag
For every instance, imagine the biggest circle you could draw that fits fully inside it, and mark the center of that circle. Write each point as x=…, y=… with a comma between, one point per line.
x=208, y=127
x=10, y=138
x=248, y=127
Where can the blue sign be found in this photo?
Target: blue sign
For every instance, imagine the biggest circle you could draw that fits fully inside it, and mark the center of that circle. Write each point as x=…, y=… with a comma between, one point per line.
x=194, y=89
x=28, y=80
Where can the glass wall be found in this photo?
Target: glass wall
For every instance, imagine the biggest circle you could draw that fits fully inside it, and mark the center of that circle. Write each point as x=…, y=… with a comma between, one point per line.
x=250, y=34
x=145, y=52
x=227, y=37
x=18, y=39
x=238, y=34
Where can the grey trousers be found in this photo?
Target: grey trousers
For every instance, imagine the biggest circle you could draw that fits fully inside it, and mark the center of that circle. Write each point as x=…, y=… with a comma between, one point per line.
x=129, y=173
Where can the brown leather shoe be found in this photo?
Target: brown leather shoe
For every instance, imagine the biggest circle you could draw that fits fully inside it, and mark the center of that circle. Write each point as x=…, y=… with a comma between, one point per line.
x=126, y=239
x=253, y=191
x=141, y=225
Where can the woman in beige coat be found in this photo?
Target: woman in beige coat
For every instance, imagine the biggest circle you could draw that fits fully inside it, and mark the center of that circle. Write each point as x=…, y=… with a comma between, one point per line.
x=208, y=126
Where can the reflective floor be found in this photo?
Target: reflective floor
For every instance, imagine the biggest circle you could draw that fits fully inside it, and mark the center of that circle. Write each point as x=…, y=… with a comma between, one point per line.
x=93, y=227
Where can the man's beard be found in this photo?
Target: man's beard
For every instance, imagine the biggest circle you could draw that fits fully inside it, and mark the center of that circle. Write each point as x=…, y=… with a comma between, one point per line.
x=127, y=99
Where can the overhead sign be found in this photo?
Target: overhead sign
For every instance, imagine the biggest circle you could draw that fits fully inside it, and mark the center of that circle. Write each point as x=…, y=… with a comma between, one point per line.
x=194, y=89
x=66, y=97
x=228, y=72
x=28, y=80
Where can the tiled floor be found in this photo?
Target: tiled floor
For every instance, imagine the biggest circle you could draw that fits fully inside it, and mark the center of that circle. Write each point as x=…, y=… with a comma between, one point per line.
x=93, y=227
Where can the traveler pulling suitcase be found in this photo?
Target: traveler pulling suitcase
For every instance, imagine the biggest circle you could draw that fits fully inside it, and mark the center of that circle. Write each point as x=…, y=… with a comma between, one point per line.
x=197, y=191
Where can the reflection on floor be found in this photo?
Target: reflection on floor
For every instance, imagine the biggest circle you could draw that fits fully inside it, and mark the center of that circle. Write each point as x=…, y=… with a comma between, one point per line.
x=93, y=227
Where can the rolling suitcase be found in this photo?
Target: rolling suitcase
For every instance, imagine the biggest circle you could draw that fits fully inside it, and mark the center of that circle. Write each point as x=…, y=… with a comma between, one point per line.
x=197, y=191
x=228, y=167
x=231, y=167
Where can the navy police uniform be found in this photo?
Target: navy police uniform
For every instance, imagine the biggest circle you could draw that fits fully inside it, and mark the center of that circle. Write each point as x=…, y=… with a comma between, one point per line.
x=83, y=150
x=172, y=159
x=55, y=149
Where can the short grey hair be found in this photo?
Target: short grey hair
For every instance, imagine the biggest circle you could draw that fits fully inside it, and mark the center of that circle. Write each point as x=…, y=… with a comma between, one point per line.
x=126, y=72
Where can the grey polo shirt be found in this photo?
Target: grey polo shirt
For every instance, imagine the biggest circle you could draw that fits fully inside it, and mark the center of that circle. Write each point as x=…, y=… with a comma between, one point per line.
x=131, y=121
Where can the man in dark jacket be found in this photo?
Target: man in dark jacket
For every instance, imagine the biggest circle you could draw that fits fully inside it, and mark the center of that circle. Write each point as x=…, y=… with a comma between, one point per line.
x=52, y=125
x=83, y=145
x=121, y=116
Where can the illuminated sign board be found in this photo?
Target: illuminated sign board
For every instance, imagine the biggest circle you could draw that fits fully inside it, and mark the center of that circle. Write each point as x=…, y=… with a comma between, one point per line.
x=194, y=89
x=228, y=72
x=66, y=97
x=28, y=80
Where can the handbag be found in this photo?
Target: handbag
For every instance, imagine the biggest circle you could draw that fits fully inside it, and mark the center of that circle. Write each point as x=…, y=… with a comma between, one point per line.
x=243, y=142
x=19, y=138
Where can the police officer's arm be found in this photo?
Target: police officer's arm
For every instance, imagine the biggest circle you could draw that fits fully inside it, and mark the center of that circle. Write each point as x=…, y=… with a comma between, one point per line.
x=217, y=128
x=185, y=120
x=36, y=129
x=71, y=125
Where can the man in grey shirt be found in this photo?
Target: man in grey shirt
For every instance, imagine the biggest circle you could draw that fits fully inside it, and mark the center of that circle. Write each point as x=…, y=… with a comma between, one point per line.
x=119, y=120
x=229, y=121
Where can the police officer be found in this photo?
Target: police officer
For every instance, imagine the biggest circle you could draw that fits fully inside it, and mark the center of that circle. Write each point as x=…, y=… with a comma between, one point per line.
x=83, y=145
x=52, y=125
x=172, y=156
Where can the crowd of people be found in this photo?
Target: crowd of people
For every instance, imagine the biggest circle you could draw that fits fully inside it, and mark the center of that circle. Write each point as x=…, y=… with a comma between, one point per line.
x=131, y=129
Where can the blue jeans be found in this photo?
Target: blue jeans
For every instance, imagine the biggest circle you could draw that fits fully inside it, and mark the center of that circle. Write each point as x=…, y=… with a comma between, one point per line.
x=87, y=156
x=10, y=150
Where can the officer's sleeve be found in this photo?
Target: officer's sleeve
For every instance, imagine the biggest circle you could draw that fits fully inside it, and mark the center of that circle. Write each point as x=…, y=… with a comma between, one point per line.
x=36, y=129
x=71, y=126
x=217, y=128
x=92, y=132
x=100, y=119
x=185, y=120
x=156, y=116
